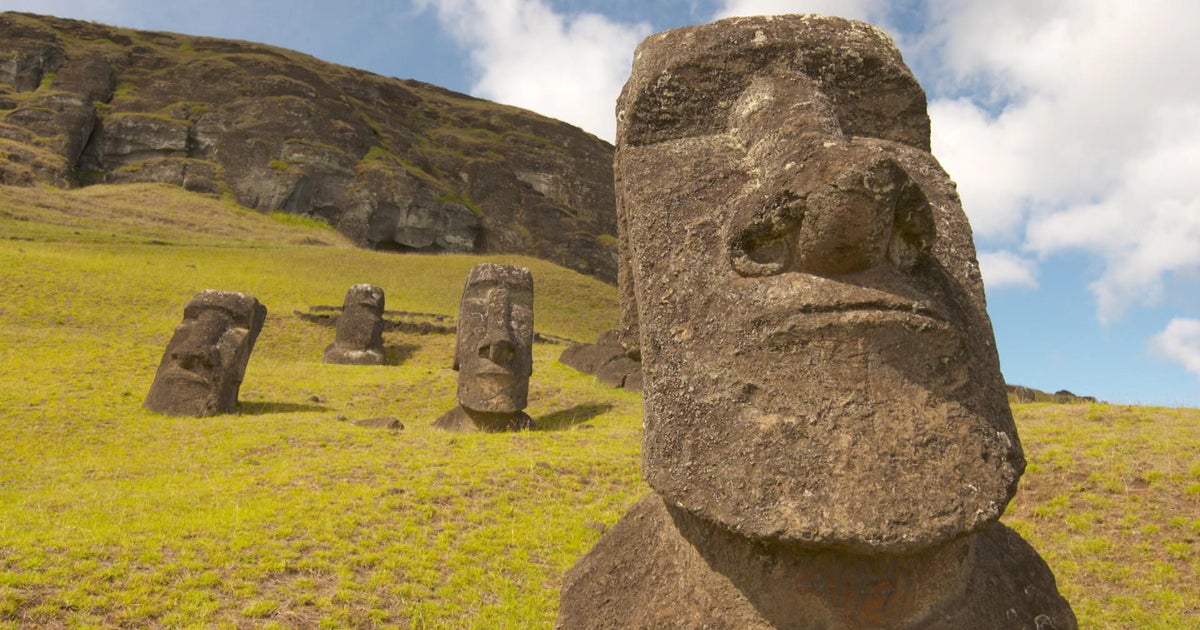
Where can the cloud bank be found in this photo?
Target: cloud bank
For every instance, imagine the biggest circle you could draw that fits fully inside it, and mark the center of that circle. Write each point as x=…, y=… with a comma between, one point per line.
x=569, y=67
x=1180, y=342
x=1075, y=126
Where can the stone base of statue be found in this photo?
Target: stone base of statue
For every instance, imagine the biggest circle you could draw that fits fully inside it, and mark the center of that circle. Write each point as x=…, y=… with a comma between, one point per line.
x=462, y=419
x=661, y=567
x=340, y=355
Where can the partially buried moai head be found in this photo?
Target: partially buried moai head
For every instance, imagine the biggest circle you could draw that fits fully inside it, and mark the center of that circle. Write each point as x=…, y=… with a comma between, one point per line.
x=359, y=339
x=819, y=365
x=494, y=355
x=202, y=368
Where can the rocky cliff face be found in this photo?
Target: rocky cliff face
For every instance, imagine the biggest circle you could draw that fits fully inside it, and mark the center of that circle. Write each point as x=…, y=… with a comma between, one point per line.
x=393, y=164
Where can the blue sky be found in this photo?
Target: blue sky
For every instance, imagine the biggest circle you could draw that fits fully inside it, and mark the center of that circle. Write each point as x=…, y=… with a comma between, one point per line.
x=1072, y=128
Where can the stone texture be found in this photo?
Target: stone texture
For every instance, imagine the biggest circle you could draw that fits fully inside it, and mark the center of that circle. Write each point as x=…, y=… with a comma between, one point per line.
x=608, y=359
x=810, y=306
x=385, y=422
x=660, y=567
x=359, y=338
x=826, y=429
x=494, y=350
x=393, y=164
x=205, y=360
x=460, y=419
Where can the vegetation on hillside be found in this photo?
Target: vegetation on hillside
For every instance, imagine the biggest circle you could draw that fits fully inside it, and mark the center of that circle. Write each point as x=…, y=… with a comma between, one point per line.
x=290, y=515
x=390, y=163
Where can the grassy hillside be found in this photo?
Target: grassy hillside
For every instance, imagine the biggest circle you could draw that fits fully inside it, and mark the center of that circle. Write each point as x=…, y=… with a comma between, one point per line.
x=289, y=515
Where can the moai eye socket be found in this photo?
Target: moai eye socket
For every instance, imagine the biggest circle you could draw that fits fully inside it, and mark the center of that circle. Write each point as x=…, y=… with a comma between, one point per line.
x=760, y=242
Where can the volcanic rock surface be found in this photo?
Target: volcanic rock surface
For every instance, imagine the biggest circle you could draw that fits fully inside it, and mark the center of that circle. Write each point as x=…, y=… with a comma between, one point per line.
x=393, y=164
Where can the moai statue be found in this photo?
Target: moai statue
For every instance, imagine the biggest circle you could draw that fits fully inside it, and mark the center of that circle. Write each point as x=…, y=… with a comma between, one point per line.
x=494, y=354
x=203, y=365
x=827, y=432
x=359, y=338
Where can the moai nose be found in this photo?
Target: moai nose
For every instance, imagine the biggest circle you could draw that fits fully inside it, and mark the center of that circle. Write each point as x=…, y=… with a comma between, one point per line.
x=499, y=351
x=193, y=357
x=869, y=214
x=497, y=345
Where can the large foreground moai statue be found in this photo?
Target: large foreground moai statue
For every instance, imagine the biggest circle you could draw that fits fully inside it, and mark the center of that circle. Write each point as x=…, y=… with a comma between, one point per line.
x=826, y=427
x=203, y=365
x=494, y=353
x=359, y=339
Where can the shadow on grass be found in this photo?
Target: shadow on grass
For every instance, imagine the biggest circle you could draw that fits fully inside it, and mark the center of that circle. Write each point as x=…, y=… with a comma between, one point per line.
x=571, y=416
x=261, y=408
x=396, y=354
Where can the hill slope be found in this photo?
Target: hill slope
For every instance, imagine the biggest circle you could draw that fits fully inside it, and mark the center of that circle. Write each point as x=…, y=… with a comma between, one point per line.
x=288, y=515
x=392, y=164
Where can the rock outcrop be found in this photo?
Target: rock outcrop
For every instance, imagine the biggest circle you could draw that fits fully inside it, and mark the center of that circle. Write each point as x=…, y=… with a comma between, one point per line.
x=393, y=164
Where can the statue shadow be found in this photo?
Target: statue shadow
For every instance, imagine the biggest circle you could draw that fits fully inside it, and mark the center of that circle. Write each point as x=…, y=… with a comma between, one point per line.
x=571, y=416
x=395, y=354
x=262, y=408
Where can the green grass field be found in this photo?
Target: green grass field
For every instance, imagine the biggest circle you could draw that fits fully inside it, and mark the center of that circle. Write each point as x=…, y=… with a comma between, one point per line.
x=289, y=515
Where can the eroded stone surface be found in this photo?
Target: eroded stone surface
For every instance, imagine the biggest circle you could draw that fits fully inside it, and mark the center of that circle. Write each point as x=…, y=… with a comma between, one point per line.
x=205, y=360
x=608, y=359
x=827, y=432
x=359, y=338
x=494, y=351
x=392, y=164
x=660, y=567
x=819, y=364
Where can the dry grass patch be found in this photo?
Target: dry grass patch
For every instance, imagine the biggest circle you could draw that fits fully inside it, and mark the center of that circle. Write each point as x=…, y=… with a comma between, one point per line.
x=1111, y=499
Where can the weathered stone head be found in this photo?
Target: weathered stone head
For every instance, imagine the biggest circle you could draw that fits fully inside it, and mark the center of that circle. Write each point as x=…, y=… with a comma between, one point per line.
x=494, y=353
x=819, y=365
x=203, y=365
x=359, y=338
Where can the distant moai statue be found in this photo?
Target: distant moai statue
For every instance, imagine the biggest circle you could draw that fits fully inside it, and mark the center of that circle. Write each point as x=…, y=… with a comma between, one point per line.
x=204, y=363
x=494, y=353
x=826, y=429
x=359, y=339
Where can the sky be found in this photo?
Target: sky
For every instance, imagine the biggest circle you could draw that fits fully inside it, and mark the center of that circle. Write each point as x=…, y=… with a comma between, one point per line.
x=1071, y=127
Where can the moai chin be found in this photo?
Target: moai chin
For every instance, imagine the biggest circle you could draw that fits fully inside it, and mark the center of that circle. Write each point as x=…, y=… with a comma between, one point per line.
x=203, y=365
x=359, y=339
x=827, y=430
x=494, y=351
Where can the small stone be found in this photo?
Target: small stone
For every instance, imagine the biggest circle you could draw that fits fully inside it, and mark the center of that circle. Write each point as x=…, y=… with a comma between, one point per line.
x=386, y=422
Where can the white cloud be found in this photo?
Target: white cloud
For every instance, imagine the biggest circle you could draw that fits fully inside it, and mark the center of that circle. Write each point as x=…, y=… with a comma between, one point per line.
x=865, y=10
x=1179, y=342
x=1005, y=269
x=1079, y=121
x=567, y=67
